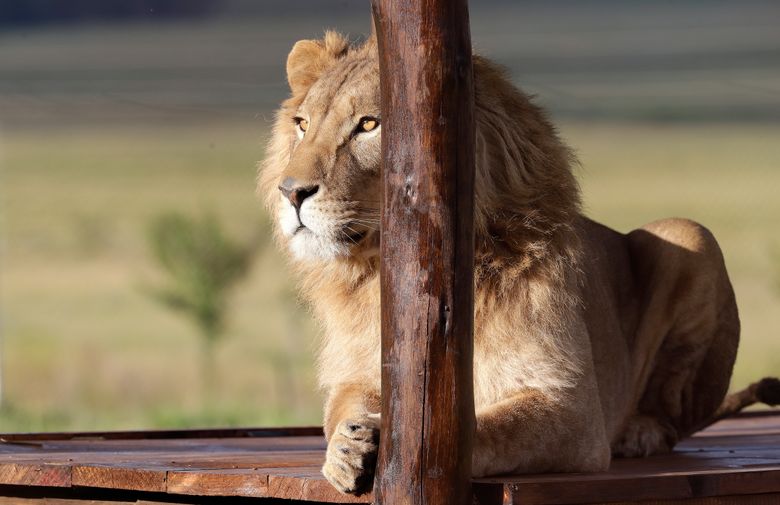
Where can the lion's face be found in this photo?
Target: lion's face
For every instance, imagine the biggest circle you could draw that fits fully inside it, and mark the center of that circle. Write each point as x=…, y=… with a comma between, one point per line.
x=321, y=178
x=327, y=192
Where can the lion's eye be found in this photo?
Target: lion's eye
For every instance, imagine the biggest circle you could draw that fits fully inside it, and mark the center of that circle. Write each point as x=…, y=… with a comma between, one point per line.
x=303, y=124
x=367, y=124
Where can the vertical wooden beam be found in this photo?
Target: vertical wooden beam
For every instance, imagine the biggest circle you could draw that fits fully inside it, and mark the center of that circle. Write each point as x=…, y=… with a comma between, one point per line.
x=427, y=251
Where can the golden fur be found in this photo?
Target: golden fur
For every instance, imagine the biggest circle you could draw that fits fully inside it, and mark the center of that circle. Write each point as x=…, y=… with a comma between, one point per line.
x=588, y=342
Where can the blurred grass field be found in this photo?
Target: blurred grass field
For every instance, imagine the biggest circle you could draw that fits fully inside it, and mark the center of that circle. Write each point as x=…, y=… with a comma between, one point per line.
x=672, y=107
x=84, y=348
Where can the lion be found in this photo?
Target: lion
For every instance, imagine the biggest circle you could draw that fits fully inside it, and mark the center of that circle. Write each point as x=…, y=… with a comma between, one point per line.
x=588, y=343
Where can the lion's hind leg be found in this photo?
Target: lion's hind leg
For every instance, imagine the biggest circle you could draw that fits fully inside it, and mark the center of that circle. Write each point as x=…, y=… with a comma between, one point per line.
x=687, y=338
x=643, y=436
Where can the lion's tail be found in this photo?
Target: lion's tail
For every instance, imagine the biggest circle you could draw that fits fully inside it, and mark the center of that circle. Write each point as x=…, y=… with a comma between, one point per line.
x=766, y=391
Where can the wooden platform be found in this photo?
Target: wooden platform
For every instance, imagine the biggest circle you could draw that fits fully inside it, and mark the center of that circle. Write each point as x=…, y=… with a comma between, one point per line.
x=736, y=461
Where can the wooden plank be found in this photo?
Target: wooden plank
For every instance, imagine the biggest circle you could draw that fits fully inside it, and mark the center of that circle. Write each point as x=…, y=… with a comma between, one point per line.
x=238, y=458
x=752, y=499
x=234, y=482
x=101, y=468
x=302, y=431
x=80, y=496
x=742, y=460
x=427, y=251
x=608, y=487
x=308, y=485
x=35, y=474
x=741, y=426
x=288, y=486
x=763, y=421
x=272, y=443
x=16, y=500
x=126, y=477
x=743, y=423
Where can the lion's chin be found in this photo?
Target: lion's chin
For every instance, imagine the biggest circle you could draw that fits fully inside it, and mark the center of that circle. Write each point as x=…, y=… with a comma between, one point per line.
x=308, y=246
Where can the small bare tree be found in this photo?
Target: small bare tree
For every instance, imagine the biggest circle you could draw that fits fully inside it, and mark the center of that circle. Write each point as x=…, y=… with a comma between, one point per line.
x=202, y=265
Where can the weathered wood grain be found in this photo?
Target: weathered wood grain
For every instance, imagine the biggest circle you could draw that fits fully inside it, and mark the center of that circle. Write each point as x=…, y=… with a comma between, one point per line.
x=35, y=474
x=427, y=251
x=753, y=499
x=15, y=500
x=235, y=482
x=129, y=476
x=592, y=489
x=735, y=462
x=656, y=478
x=308, y=485
x=193, y=434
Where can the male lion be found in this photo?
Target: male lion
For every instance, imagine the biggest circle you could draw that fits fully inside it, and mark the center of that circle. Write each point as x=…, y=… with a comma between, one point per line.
x=587, y=343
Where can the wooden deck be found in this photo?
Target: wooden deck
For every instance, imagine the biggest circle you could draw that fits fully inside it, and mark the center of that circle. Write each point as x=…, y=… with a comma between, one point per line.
x=736, y=461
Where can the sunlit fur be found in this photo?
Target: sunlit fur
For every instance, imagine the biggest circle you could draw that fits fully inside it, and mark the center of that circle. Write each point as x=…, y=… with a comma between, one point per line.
x=587, y=341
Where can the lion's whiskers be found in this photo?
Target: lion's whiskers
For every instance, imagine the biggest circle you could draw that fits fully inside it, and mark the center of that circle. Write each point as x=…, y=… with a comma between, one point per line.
x=369, y=224
x=348, y=235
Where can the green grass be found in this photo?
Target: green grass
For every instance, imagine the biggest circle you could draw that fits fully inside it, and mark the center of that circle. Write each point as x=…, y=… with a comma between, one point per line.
x=84, y=348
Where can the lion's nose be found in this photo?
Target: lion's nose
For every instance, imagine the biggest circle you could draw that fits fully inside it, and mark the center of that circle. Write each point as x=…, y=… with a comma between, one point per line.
x=297, y=192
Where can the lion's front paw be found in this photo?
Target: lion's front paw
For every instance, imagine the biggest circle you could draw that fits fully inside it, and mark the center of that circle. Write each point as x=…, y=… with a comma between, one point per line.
x=351, y=456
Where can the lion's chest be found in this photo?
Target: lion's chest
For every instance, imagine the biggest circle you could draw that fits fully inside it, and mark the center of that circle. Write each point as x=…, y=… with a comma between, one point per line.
x=510, y=354
x=507, y=364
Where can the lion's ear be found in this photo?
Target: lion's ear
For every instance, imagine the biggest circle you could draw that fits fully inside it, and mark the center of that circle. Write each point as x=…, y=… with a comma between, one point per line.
x=303, y=66
x=309, y=58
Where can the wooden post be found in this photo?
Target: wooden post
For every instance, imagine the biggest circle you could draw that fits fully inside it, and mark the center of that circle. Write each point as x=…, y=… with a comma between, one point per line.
x=427, y=251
